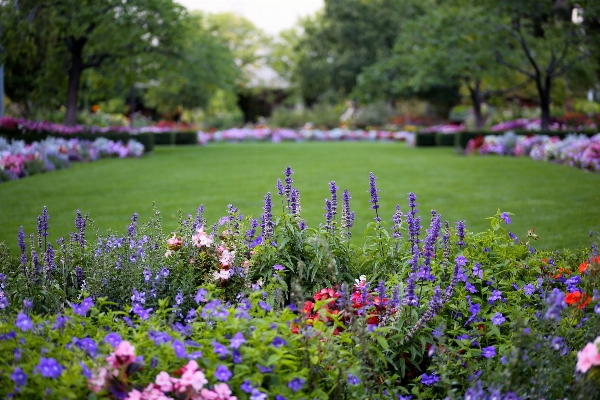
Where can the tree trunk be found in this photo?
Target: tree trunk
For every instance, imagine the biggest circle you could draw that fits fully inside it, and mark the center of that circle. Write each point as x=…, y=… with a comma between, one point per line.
x=131, y=105
x=545, y=104
x=476, y=101
x=77, y=67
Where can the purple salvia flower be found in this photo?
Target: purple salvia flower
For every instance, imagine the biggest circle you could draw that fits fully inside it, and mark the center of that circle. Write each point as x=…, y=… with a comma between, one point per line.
x=397, y=219
x=432, y=235
x=43, y=227
x=381, y=289
x=280, y=188
x=288, y=182
x=435, y=305
x=374, y=196
x=460, y=232
x=347, y=216
x=328, y=216
x=333, y=190
x=80, y=223
x=37, y=268
x=267, y=220
x=79, y=277
x=49, y=259
x=21, y=240
x=294, y=203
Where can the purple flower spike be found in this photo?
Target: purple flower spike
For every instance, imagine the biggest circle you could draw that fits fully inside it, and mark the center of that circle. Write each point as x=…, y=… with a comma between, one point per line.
x=374, y=196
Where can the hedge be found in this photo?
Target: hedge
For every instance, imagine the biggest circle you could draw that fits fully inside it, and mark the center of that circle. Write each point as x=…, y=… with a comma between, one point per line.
x=425, y=139
x=444, y=139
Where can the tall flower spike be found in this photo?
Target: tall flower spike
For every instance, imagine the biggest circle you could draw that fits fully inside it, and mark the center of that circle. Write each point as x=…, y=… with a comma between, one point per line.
x=460, y=232
x=42, y=227
x=22, y=246
x=288, y=182
x=347, y=216
x=397, y=219
x=80, y=223
x=328, y=216
x=267, y=220
x=333, y=190
x=374, y=196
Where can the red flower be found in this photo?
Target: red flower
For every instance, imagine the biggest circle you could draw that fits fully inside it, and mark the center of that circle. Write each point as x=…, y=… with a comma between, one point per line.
x=308, y=307
x=576, y=298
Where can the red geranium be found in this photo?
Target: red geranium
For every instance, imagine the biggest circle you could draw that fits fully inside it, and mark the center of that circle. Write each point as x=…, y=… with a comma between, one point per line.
x=577, y=298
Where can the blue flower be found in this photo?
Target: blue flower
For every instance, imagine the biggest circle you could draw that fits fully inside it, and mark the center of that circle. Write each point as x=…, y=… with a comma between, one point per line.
x=258, y=395
x=236, y=356
x=264, y=306
x=505, y=217
x=528, y=289
x=265, y=370
x=84, y=307
x=353, y=380
x=179, y=348
x=488, y=352
x=219, y=349
x=223, y=373
x=237, y=340
x=49, y=368
x=278, y=342
x=296, y=384
x=498, y=319
x=113, y=339
x=246, y=386
x=429, y=380
x=18, y=377
x=85, y=371
x=23, y=322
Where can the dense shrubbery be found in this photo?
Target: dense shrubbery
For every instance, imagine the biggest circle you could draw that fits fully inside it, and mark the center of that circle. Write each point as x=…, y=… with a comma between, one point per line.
x=269, y=307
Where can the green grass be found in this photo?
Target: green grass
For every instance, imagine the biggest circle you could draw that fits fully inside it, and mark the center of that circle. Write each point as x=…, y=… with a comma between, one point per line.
x=561, y=202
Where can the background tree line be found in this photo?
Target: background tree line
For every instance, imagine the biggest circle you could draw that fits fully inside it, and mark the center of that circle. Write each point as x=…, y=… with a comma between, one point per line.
x=78, y=52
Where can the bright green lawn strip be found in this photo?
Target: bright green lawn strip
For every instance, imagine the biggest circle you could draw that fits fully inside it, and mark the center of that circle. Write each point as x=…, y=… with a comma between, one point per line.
x=560, y=201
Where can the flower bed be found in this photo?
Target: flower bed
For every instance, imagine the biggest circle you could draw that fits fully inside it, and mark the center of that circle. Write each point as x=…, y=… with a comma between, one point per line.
x=574, y=150
x=270, y=308
x=278, y=135
x=18, y=160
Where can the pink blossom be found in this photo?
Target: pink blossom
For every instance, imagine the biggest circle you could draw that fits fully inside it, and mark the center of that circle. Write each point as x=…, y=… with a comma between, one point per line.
x=124, y=354
x=134, y=395
x=588, y=356
x=201, y=239
x=196, y=379
x=163, y=380
x=223, y=391
x=98, y=379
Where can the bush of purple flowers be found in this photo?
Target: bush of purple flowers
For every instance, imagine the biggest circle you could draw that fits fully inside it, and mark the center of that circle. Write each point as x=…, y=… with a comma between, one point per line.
x=18, y=160
x=574, y=150
x=423, y=311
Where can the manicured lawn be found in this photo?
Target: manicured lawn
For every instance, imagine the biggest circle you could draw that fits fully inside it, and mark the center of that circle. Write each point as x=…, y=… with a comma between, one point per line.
x=561, y=202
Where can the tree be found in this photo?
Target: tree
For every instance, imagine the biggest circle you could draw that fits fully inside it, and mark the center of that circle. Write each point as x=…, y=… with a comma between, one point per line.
x=206, y=65
x=89, y=33
x=546, y=38
x=347, y=37
x=448, y=46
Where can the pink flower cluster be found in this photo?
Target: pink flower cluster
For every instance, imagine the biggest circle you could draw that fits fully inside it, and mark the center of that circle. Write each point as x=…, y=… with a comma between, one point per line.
x=280, y=134
x=448, y=128
x=11, y=123
x=533, y=124
x=588, y=357
x=574, y=150
x=191, y=383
